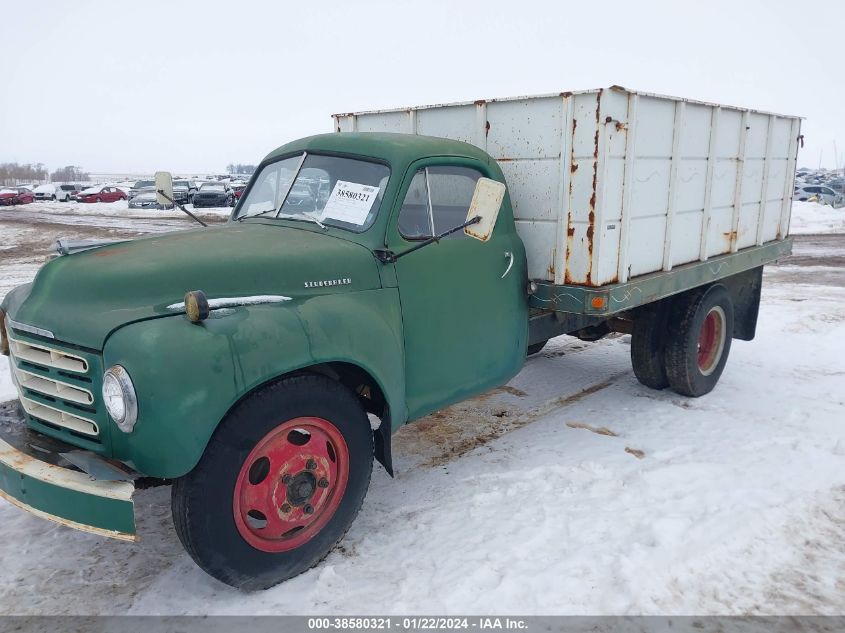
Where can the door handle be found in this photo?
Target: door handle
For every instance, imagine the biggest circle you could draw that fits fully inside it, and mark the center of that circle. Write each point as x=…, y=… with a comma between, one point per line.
x=509, y=257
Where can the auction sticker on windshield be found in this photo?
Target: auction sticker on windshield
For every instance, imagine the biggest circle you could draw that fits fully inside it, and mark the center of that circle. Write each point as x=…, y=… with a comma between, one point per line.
x=350, y=202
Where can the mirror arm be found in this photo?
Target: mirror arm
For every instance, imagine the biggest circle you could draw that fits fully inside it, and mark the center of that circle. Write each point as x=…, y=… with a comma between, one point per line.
x=386, y=256
x=180, y=207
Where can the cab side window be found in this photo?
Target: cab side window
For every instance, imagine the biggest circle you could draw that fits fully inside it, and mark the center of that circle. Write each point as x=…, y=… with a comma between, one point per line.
x=437, y=200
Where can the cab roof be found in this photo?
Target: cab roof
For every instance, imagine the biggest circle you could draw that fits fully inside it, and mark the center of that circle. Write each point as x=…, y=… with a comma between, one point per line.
x=395, y=149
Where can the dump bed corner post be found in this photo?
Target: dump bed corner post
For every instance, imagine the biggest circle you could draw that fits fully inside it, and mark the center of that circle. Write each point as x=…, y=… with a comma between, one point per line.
x=788, y=185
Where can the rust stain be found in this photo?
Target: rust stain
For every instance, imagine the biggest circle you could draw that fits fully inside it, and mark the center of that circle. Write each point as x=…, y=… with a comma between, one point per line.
x=608, y=119
x=480, y=102
x=618, y=88
x=486, y=128
x=505, y=159
x=574, y=125
x=601, y=430
x=565, y=94
x=620, y=126
x=570, y=231
x=574, y=167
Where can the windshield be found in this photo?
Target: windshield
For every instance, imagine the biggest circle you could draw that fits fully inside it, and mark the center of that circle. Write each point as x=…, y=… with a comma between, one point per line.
x=331, y=190
x=143, y=183
x=212, y=187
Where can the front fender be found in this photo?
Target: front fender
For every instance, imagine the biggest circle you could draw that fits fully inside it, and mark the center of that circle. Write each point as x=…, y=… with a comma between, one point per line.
x=188, y=376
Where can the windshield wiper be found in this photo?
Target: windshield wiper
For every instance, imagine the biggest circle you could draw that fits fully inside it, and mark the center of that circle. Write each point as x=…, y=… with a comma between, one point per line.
x=255, y=215
x=304, y=216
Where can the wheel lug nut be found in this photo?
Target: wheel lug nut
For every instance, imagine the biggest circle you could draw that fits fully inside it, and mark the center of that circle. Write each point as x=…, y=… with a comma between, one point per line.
x=311, y=464
x=323, y=483
x=286, y=479
x=308, y=509
x=285, y=508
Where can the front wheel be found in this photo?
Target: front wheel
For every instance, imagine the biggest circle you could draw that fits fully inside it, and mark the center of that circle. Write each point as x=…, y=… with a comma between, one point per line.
x=279, y=484
x=699, y=340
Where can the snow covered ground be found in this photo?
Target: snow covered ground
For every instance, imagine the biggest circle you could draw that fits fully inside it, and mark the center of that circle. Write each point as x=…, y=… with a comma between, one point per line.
x=812, y=217
x=572, y=490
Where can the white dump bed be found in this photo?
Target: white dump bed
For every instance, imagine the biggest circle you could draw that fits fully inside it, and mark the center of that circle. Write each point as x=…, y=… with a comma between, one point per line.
x=610, y=184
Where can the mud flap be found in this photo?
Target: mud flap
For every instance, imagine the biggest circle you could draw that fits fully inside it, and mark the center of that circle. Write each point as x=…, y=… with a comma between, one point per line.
x=36, y=478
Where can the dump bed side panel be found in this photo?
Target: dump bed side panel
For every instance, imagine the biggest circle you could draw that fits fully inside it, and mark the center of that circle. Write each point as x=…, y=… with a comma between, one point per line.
x=608, y=185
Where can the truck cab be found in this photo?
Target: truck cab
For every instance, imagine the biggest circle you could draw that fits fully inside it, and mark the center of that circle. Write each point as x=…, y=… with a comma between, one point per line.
x=329, y=270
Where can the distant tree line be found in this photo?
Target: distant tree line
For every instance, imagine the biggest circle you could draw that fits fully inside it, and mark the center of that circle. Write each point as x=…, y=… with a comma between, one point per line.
x=15, y=173
x=71, y=173
x=240, y=169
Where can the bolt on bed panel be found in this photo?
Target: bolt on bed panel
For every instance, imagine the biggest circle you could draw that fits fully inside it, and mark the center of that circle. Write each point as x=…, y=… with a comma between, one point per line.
x=611, y=184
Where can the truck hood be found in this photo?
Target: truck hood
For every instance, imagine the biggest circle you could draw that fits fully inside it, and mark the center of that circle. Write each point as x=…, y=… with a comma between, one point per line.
x=83, y=297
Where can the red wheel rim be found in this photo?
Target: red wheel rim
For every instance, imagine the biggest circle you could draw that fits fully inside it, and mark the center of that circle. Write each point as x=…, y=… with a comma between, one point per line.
x=711, y=340
x=291, y=484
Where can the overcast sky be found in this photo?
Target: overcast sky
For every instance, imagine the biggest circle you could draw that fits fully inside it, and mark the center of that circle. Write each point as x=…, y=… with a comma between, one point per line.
x=192, y=86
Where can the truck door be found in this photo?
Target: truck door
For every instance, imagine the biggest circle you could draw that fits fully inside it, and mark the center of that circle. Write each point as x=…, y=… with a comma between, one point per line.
x=464, y=307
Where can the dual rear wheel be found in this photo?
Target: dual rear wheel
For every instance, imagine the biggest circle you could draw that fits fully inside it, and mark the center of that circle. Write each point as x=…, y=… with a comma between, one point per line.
x=684, y=344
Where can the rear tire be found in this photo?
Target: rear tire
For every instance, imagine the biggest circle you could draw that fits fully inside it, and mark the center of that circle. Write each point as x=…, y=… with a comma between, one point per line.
x=255, y=469
x=699, y=340
x=648, y=342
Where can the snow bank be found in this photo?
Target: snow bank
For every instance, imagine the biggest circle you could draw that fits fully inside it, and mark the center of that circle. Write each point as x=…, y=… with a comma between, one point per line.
x=812, y=217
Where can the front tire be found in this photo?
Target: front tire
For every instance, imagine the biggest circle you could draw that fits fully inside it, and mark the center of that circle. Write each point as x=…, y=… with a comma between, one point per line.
x=279, y=484
x=699, y=340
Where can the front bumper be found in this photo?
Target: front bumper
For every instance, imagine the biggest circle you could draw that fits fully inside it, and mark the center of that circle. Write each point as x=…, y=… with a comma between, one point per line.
x=37, y=475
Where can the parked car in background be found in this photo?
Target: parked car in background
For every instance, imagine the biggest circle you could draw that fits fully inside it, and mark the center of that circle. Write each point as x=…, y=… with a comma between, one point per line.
x=147, y=200
x=101, y=193
x=238, y=189
x=16, y=195
x=64, y=193
x=139, y=187
x=184, y=190
x=45, y=192
x=214, y=194
x=823, y=194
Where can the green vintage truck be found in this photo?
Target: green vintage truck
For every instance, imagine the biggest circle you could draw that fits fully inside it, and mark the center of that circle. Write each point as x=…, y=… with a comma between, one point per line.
x=365, y=279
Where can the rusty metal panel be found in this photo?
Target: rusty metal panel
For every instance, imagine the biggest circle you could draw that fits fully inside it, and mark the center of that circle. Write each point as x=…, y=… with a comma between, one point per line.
x=611, y=184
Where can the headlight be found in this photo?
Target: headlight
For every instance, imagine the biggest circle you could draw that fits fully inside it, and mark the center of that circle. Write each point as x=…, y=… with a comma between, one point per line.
x=119, y=398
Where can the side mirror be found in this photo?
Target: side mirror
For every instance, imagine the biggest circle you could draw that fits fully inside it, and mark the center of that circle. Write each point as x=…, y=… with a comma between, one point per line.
x=486, y=202
x=164, y=183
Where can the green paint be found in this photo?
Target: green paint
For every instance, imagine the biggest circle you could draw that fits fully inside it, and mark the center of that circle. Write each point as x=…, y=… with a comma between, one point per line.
x=652, y=287
x=86, y=509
